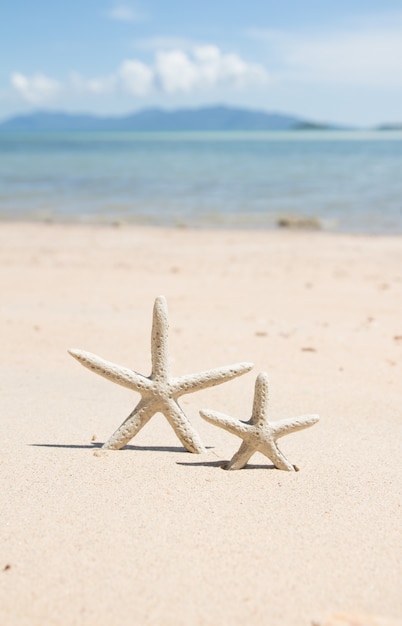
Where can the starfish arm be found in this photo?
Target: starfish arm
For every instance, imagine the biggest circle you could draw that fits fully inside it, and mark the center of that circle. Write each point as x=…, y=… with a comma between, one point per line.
x=144, y=410
x=210, y=378
x=117, y=374
x=182, y=427
x=236, y=427
x=159, y=339
x=292, y=425
x=260, y=404
x=273, y=453
x=241, y=458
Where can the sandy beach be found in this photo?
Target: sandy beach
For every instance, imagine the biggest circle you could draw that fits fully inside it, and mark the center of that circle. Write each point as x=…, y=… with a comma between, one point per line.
x=155, y=536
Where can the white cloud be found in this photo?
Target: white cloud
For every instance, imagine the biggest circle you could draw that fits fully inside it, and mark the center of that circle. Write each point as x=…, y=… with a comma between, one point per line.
x=125, y=13
x=228, y=68
x=206, y=67
x=136, y=77
x=173, y=71
x=367, y=55
x=35, y=89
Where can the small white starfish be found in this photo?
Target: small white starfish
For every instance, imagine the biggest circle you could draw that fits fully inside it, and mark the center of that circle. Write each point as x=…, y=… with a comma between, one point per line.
x=258, y=434
x=159, y=391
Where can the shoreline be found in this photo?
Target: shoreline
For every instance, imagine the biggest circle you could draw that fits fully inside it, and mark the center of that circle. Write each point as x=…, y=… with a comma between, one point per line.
x=294, y=224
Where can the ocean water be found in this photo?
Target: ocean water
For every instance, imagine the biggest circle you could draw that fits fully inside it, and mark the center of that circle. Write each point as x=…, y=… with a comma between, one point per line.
x=346, y=181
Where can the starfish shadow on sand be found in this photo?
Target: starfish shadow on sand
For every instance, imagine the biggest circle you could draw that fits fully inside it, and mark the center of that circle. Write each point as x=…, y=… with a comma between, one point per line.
x=96, y=445
x=223, y=465
x=201, y=463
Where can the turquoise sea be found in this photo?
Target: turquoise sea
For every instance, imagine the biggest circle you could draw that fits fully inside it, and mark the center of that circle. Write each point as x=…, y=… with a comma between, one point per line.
x=349, y=181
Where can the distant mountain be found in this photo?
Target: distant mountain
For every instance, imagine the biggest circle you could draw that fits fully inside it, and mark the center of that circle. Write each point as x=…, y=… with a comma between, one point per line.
x=211, y=118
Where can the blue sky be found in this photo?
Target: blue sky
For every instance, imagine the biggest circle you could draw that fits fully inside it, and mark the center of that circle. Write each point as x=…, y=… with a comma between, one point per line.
x=328, y=61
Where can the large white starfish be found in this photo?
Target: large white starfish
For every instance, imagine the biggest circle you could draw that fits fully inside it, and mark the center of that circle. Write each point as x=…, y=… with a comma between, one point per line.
x=258, y=434
x=159, y=391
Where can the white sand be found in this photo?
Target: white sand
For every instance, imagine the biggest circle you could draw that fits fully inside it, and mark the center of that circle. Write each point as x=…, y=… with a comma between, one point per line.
x=153, y=535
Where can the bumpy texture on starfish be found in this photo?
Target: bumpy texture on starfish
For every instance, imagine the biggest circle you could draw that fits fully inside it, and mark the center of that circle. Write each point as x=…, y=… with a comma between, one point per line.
x=258, y=434
x=159, y=391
